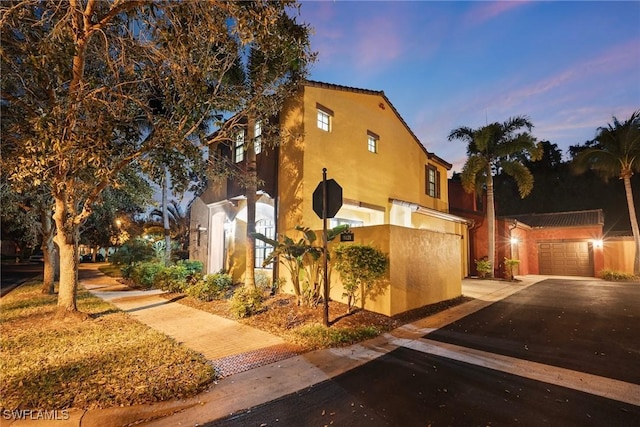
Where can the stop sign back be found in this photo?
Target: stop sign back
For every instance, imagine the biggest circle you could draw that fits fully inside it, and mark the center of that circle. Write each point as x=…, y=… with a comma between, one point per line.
x=334, y=198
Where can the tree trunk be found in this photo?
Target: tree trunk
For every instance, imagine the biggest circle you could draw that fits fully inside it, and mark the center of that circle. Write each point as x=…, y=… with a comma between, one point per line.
x=491, y=222
x=68, y=275
x=165, y=218
x=252, y=189
x=67, y=240
x=49, y=252
x=634, y=224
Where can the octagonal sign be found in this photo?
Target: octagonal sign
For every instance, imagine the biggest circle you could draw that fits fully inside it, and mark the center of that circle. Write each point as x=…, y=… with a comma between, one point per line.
x=334, y=198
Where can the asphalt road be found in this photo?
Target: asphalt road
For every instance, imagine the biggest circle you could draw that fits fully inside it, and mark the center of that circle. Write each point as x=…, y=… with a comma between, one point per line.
x=12, y=274
x=559, y=353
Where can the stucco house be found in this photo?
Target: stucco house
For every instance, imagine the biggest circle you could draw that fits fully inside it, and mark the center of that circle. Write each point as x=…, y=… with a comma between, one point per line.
x=395, y=195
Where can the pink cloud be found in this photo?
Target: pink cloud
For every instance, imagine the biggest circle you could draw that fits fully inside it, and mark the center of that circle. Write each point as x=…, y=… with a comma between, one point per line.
x=485, y=11
x=610, y=62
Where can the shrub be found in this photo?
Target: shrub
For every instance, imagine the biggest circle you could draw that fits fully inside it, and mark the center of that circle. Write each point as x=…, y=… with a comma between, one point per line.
x=210, y=287
x=264, y=281
x=509, y=265
x=144, y=274
x=192, y=266
x=617, y=276
x=127, y=271
x=172, y=278
x=484, y=268
x=247, y=301
x=361, y=267
x=133, y=251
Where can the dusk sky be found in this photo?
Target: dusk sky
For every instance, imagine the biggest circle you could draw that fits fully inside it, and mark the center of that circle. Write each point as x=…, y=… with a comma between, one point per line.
x=569, y=66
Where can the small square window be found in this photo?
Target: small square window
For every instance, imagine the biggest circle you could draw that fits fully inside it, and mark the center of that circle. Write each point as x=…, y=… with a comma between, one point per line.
x=324, y=121
x=239, y=147
x=372, y=142
x=324, y=118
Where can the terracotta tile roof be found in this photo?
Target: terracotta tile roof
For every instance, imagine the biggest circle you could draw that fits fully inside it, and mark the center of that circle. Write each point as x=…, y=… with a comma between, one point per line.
x=562, y=219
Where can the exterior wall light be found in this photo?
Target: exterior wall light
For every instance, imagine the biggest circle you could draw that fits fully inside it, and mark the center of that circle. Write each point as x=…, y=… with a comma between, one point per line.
x=597, y=243
x=514, y=241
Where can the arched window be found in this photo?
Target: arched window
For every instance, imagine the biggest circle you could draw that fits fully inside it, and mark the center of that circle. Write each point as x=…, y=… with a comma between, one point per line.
x=263, y=250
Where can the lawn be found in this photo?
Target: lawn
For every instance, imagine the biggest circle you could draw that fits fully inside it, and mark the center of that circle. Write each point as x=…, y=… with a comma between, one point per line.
x=108, y=360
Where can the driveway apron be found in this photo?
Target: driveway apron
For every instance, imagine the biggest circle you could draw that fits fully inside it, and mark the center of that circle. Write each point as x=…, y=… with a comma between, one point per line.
x=587, y=326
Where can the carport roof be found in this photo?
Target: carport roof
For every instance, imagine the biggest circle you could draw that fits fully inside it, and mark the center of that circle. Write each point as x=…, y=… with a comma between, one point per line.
x=562, y=219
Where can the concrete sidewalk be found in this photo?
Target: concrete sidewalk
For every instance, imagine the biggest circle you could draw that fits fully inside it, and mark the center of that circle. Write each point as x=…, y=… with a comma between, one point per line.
x=255, y=366
x=231, y=346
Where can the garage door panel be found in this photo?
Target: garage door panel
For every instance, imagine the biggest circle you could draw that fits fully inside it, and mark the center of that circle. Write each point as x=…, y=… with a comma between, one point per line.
x=565, y=258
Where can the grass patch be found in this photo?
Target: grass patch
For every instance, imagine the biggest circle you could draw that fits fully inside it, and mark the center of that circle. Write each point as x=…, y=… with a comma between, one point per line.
x=111, y=270
x=109, y=360
x=317, y=336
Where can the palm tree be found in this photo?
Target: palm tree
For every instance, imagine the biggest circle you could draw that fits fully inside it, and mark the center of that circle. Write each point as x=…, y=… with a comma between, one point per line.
x=494, y=147
x=617, y=154
x=178, y=222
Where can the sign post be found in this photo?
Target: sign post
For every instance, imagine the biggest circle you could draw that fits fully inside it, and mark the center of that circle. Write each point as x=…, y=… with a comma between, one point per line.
x=327, y=201
x=325, y=315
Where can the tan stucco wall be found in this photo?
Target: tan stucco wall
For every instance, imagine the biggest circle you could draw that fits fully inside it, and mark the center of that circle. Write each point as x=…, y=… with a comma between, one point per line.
x=424, y=268
x=397, y=171
x=619, y=254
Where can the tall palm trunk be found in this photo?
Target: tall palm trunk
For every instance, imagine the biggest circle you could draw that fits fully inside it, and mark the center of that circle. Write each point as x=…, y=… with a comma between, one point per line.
x=252, y=189
x=634, y=223
x=491, y=221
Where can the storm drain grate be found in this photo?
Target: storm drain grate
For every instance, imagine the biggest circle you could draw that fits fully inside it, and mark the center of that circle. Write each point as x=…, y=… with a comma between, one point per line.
x=237, y=363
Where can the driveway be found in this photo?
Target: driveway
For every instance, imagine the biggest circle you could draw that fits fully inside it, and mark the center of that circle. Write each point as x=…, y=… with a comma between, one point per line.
x=588, y=326
x=560, y=352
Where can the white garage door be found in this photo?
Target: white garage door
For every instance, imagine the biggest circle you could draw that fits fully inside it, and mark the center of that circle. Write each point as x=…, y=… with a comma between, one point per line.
x=565, y=259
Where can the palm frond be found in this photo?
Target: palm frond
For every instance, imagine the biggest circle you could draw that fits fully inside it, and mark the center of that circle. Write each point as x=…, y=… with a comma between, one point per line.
x=522, y=175
x=473, y=172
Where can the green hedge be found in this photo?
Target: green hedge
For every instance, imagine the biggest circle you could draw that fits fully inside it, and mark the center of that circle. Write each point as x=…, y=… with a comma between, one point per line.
x=210, y=287
x=175, y=278
x=144, y=274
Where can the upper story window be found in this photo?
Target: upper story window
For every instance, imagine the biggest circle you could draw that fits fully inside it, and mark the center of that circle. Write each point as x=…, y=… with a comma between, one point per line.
x=238, y=151
x=257, y=140
x=372, y=142
x=324, y=118
x=432, y=181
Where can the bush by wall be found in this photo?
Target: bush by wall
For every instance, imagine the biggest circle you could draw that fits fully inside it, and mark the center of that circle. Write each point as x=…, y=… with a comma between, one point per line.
x=192, y=266
x=144, y=274
x=172, y=278
x=361, y=268
x=484, y=268
x=210, y=287
x=617, y=276
x=247, y=301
